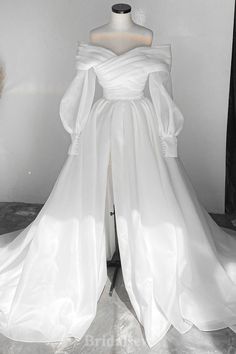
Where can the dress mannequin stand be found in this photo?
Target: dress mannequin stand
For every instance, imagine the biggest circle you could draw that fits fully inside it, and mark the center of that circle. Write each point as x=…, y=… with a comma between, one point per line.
x=115, y=261
x=119, y=35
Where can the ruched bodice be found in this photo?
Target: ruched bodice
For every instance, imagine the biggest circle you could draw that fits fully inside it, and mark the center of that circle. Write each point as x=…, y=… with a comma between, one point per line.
x=148, y=58
x=123, y=76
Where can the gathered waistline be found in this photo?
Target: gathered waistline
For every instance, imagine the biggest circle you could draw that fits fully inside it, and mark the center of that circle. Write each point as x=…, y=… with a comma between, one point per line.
x=129, y=96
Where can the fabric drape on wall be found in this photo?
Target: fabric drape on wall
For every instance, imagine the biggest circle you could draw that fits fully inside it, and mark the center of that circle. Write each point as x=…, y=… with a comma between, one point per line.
x=230, y=181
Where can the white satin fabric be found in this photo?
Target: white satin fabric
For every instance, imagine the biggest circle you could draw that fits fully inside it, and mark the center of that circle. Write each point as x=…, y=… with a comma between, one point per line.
x=179, y=267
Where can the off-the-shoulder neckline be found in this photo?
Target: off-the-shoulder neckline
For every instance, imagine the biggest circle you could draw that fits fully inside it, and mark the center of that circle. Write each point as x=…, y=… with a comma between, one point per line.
x=87, y=44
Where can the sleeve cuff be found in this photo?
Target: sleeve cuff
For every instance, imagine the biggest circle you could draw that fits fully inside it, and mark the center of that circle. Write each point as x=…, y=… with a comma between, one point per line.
x=74, y=146
x=169, y=146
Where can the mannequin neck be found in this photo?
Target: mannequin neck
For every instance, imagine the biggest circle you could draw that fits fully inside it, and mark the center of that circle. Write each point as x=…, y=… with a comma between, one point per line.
x=121, y=21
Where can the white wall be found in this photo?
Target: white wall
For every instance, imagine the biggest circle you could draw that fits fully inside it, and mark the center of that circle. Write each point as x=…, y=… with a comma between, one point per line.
x=38, y=40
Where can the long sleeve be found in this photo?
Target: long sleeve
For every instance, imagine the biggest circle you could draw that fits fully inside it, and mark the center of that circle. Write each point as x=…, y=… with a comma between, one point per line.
x=170, y=118
x=76, y=104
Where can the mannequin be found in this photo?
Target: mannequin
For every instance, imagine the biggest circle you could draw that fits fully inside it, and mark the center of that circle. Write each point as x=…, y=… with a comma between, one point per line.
x=121, y=33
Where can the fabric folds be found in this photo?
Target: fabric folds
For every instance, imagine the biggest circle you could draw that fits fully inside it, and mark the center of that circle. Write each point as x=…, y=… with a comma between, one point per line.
x=178, y=266
x=76, y=104
x=169, y=116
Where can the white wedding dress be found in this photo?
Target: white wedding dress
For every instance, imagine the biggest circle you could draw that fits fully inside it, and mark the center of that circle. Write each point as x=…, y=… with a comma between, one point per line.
x=179, y=266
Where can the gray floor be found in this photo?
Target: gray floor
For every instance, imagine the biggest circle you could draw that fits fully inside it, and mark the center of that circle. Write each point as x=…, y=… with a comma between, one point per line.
x=115, y=329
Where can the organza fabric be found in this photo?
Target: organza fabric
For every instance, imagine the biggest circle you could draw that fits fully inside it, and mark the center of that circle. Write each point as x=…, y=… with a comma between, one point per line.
x=179, y=266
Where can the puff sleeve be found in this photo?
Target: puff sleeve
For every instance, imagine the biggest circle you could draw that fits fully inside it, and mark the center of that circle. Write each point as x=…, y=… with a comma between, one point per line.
x=170, y=118
x=76, y=104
